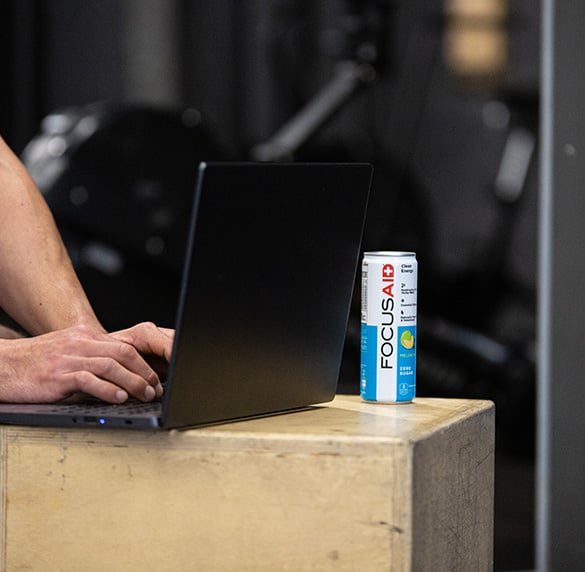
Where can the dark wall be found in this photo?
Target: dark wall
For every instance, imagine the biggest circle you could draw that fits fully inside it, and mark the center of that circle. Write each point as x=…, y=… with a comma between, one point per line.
x=82, y=51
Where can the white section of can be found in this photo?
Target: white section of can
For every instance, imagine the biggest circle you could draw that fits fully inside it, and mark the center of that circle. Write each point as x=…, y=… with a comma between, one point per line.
x=388, y=315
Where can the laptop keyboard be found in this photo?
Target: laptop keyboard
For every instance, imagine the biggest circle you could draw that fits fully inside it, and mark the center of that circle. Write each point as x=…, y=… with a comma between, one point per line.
x=131, y=406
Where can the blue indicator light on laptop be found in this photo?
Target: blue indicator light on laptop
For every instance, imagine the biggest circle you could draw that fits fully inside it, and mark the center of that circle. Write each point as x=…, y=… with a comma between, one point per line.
x=102, y=421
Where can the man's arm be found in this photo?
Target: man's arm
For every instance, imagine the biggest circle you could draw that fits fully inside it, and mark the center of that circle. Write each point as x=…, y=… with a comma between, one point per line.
x=38, y=285
x=70, y=351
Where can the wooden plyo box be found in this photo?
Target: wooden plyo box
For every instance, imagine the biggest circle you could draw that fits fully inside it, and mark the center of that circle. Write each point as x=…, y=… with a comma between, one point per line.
x=346, y=486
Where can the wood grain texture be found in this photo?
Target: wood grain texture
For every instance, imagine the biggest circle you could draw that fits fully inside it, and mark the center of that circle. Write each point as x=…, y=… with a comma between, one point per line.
x=346, y=486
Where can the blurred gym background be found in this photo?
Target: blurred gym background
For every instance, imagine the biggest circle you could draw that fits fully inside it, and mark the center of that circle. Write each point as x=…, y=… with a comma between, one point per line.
x=111, y=104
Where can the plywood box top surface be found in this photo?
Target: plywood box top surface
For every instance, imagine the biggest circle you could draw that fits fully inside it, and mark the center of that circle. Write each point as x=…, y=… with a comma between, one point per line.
x=347, y=425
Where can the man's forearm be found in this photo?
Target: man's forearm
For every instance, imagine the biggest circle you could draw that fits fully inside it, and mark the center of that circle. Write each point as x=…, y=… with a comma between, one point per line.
x=38, y=285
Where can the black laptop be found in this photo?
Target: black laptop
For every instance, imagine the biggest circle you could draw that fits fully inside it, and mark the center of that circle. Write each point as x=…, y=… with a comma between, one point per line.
x=270, y=264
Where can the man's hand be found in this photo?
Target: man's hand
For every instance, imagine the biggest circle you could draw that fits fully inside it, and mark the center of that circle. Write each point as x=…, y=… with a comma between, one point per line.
x=54, y=366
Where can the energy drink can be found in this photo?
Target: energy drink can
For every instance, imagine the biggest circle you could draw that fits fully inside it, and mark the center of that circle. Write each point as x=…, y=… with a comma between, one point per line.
x=388, y=326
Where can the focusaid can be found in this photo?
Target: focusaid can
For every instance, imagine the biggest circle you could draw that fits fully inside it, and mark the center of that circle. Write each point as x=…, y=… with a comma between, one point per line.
x=388, y=327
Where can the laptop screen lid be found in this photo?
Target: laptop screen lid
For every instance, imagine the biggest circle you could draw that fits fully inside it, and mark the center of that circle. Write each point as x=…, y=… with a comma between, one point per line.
x=270, y=267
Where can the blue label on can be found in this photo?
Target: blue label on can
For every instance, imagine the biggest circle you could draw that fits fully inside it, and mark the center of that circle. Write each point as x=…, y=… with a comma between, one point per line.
x=369, y=363
x=405, y=363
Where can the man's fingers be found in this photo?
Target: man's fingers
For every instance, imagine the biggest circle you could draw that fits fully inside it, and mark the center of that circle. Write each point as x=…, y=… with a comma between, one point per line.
x=138, y=380
x=128, y=356
x=148, y=338
x=90, y=384
x=111, y=361
x=81, y=359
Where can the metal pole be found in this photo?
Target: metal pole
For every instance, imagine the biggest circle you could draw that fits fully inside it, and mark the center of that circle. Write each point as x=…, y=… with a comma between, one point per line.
x=542, y=537
x=561, y=419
